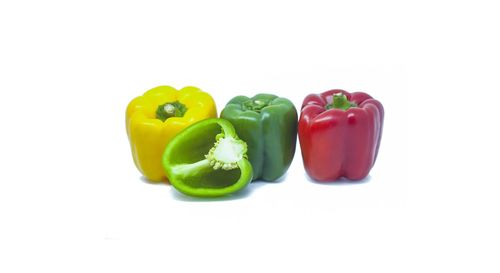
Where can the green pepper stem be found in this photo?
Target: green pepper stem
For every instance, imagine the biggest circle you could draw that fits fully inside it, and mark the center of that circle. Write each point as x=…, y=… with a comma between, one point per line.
x=170, y=109
x=340, y=101
x=255, y=105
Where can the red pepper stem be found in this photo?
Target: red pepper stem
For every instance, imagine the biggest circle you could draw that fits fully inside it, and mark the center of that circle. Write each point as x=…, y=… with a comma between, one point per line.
x=340, y=101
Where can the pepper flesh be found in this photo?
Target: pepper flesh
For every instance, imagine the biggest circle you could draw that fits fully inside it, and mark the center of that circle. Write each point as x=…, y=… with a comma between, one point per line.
x=269, y=125
x=197, y=166
x=340, y=139
x=154, y=118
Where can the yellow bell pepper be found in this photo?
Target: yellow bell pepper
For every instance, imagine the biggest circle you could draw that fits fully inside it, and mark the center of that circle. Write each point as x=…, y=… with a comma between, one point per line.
x=154, y=118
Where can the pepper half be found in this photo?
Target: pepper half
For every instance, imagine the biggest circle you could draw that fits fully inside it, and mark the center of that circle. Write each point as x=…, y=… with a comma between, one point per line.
x=269, y=125
x=340, y=134
x=154, y=118
x=207, y=159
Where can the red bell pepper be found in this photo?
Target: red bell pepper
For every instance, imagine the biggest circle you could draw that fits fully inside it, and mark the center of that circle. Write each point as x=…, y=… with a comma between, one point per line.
x=339, y=134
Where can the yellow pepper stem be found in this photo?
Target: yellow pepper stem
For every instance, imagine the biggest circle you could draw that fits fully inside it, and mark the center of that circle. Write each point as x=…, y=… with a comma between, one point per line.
x=170, y=109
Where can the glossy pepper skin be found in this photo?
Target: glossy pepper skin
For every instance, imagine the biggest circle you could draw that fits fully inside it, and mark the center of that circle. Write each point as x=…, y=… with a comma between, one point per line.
x=207, y=160
x=340, y=134
x=269, y=125
x=154, y=118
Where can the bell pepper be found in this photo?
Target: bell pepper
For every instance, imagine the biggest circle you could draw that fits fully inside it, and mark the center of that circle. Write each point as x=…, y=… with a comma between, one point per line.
x=340, y=134
x=207, y=160
x=154, y=118
x=268, y=124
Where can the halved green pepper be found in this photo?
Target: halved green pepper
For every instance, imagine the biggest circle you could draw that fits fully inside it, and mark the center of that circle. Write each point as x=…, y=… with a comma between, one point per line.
x=207, y=159
x=268, y=124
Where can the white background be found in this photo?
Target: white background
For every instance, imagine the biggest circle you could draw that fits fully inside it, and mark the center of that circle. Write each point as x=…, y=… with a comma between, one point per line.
x=71, y=199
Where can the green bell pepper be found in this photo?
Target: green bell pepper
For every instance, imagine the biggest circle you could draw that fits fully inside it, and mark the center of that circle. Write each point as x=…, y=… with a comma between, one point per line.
x=196, y=166
x=268, y=124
